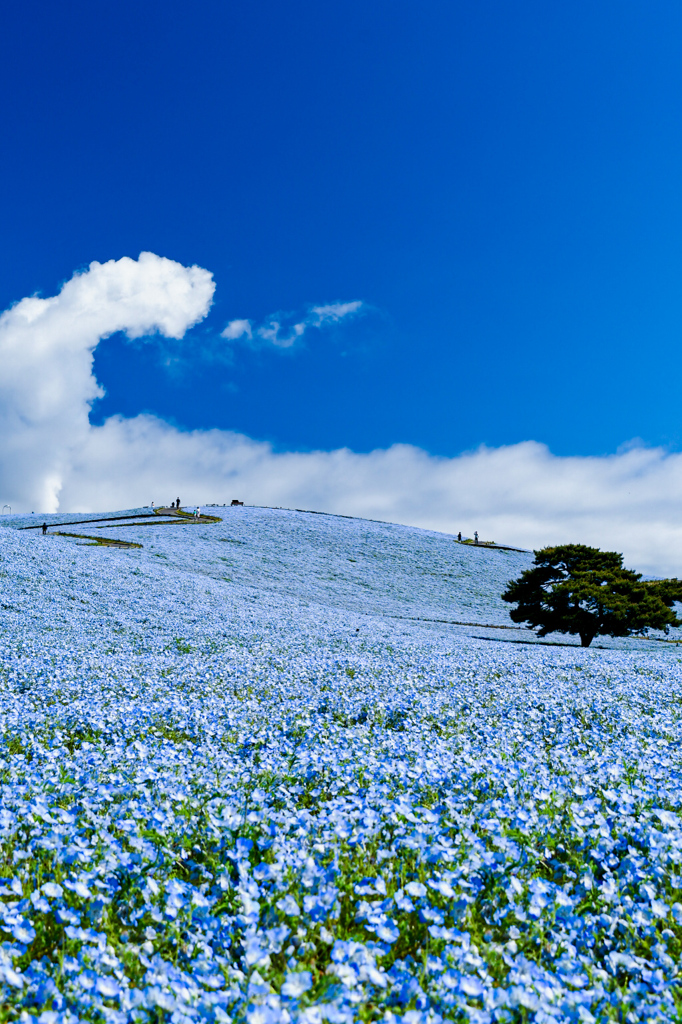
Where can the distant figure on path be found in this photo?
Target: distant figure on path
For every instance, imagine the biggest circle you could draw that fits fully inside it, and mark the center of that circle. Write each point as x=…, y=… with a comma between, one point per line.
x=475, y=536
x=152, y=505
x=177, y=503
x=44, y=529
x=459, y=537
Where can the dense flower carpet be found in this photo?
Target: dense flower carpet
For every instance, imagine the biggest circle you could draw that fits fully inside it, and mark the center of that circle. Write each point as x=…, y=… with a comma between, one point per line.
x=248, y=775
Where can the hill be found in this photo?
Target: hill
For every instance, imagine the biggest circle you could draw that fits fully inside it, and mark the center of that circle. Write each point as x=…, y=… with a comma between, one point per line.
x=252, y=770
x=276, y=558
x=351, y=571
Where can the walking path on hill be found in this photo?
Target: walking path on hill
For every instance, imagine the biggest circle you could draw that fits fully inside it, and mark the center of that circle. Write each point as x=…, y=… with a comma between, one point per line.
x=490, y=545
x=157, y=517
x=174, y=515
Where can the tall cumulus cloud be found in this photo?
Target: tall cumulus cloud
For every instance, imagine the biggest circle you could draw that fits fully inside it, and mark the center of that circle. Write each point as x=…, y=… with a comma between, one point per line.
x=46, y=352
x=52, y=458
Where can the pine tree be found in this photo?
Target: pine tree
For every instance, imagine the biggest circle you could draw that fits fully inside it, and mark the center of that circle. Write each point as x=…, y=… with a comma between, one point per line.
x=578, y=589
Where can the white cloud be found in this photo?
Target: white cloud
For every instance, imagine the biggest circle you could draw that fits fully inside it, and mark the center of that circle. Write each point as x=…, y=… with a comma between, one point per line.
x=333, y=312
x=51, y=457
x=278, y=330
x=46, y=347
x=272, y=332
x=237, y=329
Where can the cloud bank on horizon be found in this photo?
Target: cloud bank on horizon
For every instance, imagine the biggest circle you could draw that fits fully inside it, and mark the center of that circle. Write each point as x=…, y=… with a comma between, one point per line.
x=52, y=458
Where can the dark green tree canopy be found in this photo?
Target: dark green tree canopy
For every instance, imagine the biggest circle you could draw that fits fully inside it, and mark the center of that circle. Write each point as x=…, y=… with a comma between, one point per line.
x=577, y=589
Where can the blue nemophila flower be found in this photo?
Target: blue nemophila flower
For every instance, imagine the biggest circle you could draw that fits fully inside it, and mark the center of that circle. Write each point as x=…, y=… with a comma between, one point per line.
x=289, y=906
x=296, y=984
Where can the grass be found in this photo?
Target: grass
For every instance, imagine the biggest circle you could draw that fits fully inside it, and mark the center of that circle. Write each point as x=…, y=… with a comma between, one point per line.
x=99, y=541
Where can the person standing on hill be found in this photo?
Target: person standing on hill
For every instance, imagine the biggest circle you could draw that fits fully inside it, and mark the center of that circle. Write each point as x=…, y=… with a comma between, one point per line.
x=177, y=503
x=44, y=529
x=459, y=536
x=475, y=536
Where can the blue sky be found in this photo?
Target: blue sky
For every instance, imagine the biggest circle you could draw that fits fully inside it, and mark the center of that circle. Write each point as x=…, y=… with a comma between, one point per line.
x=499, y=184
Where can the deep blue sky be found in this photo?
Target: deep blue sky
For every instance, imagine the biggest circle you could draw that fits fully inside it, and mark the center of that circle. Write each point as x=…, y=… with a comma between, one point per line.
x=501, y=183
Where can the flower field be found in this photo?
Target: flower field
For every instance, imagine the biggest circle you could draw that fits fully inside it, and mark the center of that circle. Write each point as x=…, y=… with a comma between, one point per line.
x=254, y=772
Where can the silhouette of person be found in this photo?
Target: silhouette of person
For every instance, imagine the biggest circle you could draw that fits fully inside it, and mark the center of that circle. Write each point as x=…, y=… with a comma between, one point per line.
x=44, y=529
x=177, y=503
x=459, y=537
x=475, y=536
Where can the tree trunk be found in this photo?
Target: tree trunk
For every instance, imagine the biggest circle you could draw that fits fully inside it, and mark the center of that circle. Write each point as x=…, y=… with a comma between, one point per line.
x=586, y=639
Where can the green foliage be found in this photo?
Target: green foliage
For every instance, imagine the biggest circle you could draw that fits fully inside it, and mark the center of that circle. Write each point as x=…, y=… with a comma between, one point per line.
x=578, y=589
